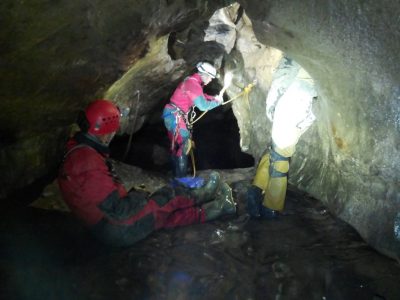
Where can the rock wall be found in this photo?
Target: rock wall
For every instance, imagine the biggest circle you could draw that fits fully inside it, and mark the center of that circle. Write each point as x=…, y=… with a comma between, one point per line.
x=350, y=158
x=58, y=55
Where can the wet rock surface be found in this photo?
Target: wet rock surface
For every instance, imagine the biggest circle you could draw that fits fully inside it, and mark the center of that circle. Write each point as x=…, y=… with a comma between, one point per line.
x=303, y=254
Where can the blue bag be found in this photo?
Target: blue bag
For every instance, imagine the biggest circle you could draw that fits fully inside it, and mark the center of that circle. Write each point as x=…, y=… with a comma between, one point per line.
x=190, y=182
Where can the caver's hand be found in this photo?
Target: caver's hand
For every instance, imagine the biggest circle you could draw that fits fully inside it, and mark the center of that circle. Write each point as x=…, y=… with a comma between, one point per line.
x=219, y=98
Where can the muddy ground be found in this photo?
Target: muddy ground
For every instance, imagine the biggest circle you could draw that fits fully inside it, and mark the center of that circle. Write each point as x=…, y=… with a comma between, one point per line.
x=304, y=254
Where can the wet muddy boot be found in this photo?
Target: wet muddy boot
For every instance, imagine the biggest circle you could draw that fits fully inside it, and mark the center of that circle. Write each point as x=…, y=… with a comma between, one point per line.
x=255, y=207
x=181, y=164
x=207, y=192
x=222, y=205
x=254, y=197
x=267, y=213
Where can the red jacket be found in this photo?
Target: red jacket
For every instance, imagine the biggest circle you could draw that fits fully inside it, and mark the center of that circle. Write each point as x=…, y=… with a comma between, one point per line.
x=85, y=181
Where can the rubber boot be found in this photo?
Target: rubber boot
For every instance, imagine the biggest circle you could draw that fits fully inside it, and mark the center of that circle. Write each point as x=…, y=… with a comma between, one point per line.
x=180, y=166
x=222, y=205
x=275, y=193
x=207, y=192
x=255, y=208
x=267, y=213
x=254, y=199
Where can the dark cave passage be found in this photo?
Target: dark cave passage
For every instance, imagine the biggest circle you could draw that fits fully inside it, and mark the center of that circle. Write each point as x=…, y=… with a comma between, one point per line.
x=216, y=137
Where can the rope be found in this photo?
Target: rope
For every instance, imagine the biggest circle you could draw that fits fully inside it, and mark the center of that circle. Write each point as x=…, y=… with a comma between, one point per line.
x=245, y=92
x=193, y=162
x=128, y=147
x=190, y=152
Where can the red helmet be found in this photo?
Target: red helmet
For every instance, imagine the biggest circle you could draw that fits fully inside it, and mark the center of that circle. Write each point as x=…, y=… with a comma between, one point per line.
x=103, y=117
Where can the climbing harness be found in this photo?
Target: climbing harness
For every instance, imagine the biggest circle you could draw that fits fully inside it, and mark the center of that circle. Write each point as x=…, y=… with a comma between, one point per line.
x=178, y=113
x=276, y=157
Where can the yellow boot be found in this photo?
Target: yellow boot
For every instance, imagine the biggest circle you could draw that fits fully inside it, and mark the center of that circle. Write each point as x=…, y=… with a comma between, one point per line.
x=275, y=192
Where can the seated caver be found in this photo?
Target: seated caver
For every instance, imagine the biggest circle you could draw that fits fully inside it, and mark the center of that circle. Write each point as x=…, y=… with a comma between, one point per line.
x=95, y=194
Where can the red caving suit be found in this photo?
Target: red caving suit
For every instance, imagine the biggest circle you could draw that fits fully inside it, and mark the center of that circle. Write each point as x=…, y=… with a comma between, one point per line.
x=115, y=216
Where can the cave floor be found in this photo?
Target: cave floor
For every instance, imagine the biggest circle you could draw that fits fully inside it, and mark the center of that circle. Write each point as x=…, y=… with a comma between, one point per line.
x=304, y=254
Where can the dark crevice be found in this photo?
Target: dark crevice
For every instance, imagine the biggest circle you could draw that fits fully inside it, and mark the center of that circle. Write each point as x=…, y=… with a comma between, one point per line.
x=23, y=196
x=216, y=136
